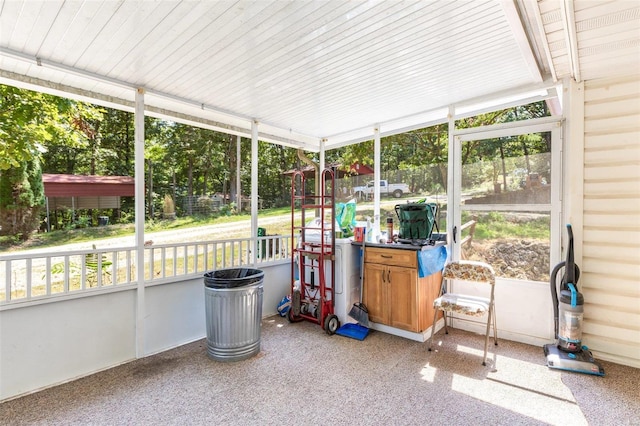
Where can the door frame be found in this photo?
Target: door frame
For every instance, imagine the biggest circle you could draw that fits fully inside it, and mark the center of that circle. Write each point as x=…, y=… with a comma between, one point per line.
x=458, y=136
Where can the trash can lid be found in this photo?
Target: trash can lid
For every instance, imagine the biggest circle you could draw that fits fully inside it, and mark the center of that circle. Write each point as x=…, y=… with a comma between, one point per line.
x=232, y=277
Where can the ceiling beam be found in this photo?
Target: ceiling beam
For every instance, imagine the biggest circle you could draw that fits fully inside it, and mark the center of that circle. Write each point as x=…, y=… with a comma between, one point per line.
x=21, y=81
x=571, y=37
x=520, y=36
x=72, y=92
x=57, y=89
x=544, y=40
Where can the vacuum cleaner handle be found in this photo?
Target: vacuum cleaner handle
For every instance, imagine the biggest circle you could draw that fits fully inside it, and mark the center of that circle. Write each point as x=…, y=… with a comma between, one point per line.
x=554, y=296
x=572, y=271
x=569, y=272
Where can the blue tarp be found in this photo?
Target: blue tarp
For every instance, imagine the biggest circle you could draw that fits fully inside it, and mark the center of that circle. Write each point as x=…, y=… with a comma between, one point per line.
x=431, y=261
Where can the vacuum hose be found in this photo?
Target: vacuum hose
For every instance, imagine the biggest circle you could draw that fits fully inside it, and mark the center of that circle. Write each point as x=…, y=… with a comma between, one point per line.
x=554, y=295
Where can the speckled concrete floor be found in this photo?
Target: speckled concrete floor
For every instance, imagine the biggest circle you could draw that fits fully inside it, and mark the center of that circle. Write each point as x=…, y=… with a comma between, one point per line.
x=304, y=377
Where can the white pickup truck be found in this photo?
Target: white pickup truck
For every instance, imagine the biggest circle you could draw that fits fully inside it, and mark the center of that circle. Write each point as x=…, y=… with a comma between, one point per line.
x=396, y=190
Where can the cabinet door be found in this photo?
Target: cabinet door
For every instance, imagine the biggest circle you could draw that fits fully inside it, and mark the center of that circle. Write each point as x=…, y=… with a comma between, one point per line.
x=402, y=297
x=374, y=296
x=428, y=291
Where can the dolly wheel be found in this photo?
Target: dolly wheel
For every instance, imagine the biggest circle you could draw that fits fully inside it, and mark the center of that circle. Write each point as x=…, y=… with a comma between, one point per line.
x=291, y=317
x=331, y=324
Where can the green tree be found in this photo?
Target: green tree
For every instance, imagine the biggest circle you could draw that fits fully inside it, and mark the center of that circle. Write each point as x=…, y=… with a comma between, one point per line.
x=28, y=122
x=274, y=186
x=117, y=144
x=21, y=198
x=104, y=146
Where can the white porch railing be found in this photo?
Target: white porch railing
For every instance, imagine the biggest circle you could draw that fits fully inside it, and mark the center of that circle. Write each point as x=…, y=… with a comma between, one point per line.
x=41, y=276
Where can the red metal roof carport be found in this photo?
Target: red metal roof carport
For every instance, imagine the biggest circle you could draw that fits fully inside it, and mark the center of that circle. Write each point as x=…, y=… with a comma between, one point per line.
x=60, y=185
x=85, y=191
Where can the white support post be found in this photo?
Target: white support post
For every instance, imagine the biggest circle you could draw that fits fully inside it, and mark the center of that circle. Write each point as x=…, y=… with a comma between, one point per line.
x=376, y=177
x=140, y=217
x=453, y=209
x=573, y=154
x=321, y=164
x=254, y=189
x=321, y=154
x=238, y=185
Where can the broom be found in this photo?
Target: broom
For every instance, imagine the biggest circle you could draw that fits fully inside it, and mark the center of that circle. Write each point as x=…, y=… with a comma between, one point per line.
x=359, y=311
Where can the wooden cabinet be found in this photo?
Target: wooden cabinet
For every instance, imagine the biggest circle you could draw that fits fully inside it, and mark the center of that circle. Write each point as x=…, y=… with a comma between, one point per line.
x=393, y=292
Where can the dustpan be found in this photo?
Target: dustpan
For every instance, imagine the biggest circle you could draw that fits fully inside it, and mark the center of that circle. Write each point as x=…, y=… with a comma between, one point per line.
x=354, y=331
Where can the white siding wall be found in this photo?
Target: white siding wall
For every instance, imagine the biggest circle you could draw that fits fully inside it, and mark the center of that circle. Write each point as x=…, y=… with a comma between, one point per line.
x=611, y=233
x=49, y=343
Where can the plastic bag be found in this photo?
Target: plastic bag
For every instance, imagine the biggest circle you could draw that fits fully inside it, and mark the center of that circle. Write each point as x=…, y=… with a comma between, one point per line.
x=431, y=261
x=346, y=217
x=284, y=306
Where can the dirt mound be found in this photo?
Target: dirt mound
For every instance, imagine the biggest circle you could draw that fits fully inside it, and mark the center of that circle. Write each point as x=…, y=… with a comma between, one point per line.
x=513, y=258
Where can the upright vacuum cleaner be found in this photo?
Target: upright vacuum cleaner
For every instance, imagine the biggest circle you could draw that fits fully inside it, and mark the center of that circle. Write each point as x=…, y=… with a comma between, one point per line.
x=568, y=353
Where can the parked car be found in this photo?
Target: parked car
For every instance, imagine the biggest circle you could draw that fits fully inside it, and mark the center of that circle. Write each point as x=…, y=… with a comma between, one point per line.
x=396, y=190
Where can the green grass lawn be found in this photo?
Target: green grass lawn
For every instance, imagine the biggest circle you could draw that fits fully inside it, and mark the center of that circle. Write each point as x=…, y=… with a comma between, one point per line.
x=67, y=236
x=493, y=225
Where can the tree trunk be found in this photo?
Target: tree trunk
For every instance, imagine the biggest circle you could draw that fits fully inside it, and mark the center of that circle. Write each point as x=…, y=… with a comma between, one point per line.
x=190, y=186
x=504, y=168
x=173, y=185
x=94, y=142
x=525, y=149
x=150, y=184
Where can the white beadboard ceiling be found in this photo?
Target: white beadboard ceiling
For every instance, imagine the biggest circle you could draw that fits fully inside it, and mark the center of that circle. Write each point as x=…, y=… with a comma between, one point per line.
x=308, y=71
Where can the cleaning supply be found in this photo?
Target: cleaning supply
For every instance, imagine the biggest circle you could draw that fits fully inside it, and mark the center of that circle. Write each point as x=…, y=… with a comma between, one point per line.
x=369, y=232
x=373, y=233
x=359, y=311
x=354, y=331
x=389, y=229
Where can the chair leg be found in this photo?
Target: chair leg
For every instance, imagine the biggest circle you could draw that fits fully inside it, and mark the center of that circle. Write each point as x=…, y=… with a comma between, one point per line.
x=495, y=328
x=486, y=336
x=433, y=328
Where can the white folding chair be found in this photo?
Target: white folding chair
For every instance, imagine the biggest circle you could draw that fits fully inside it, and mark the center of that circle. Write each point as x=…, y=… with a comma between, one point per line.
x=449, y=303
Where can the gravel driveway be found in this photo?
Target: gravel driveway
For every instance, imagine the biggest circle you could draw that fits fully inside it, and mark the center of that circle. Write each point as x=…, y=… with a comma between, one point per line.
x=239, y=229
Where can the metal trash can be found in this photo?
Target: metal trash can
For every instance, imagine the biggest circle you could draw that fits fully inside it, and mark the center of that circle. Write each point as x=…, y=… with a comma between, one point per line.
x=233, y=308
x=103, y=220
